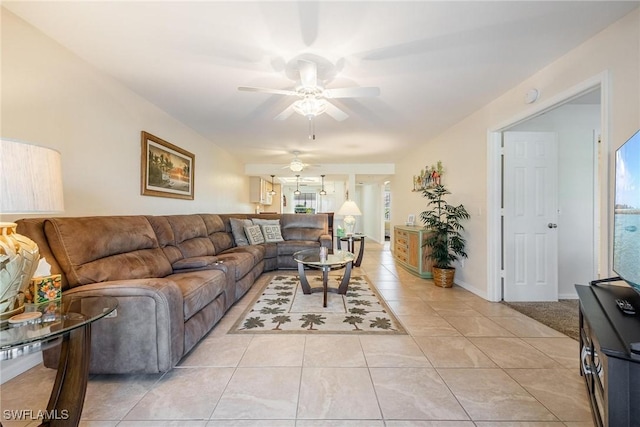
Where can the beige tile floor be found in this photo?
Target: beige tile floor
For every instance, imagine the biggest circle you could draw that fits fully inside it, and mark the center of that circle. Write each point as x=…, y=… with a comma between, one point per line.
x=466, y=362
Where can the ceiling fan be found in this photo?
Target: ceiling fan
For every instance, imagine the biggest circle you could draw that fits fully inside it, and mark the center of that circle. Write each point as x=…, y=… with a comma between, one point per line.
x=312, y=96
x=296, y=164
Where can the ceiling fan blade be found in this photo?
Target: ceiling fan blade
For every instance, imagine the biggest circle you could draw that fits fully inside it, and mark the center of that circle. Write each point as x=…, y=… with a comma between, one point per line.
x=335, y=112
x=352, y=92
x=266, y=90
x=285, y=114
x=308, y=73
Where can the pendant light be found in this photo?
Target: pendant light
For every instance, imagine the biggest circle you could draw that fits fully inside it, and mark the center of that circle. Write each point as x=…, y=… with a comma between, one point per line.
x=297, y=192
x=273, y=187
x=322, y=192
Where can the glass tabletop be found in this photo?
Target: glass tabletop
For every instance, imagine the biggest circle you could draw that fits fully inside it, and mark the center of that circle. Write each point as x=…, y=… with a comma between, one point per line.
x=312, y=257
x=44, y=323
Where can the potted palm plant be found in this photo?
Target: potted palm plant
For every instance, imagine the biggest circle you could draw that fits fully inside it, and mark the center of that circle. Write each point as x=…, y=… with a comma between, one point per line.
x=444, y=240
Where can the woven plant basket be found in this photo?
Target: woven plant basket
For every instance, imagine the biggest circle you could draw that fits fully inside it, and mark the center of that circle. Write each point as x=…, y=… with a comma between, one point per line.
x=443, y=277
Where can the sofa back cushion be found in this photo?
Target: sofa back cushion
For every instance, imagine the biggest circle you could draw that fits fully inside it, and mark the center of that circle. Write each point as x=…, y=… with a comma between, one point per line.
x=190, y=233
x=303, y=226
x=218, y=232
x=99, y=249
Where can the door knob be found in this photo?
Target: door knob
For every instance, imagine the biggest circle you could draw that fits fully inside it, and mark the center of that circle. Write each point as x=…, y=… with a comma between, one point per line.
x=552, y=225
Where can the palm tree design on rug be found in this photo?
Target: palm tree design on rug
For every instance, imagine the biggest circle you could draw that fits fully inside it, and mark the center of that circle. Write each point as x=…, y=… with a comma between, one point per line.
x=354, y=320
x=312, y=319
x=253, y=322
x=360, y=302
x=271, y=310
x=381, y=323
x=280, y=320
x=277, y=301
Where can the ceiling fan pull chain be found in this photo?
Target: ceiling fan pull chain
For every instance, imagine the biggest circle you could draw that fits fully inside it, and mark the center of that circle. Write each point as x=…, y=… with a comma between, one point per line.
x=312, y=129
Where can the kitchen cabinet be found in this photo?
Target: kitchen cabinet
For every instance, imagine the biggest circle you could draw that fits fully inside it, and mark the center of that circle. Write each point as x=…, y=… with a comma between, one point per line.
x=259, y=191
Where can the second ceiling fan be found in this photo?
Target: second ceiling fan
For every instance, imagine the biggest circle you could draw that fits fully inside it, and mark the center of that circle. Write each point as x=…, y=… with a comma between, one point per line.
x=312, y=96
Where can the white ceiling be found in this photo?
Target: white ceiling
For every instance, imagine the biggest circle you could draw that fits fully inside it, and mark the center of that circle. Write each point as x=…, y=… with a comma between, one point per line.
x=434, y=62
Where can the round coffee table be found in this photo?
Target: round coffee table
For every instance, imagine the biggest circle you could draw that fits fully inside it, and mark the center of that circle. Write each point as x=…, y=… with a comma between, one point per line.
x=311, y=258
x=66, y=322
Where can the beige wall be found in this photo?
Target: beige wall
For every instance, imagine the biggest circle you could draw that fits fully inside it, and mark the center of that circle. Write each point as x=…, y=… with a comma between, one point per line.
x=463, y=147
x=51, y=97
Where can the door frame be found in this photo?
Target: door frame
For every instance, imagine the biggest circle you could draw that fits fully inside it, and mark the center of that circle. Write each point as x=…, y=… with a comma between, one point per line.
x=494, y=179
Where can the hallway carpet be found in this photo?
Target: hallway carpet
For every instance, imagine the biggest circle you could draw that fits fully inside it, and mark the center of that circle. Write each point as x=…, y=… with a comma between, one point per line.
x=561, y=315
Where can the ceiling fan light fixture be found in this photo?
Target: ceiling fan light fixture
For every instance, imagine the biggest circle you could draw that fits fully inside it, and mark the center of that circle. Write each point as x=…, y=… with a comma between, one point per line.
x=310, y=106
x=273, y=187
x=296, y=165
x=297, y=192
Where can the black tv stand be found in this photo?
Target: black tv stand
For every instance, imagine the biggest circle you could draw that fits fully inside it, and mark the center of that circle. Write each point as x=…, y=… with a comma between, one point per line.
x=607, y=280
x=610, y=364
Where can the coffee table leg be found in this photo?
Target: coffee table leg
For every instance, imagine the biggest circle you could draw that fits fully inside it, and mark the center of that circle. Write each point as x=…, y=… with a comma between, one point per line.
x=325, y=284
x=360, y=252
x=306, y=289
x=67, y=397
x=345, y=279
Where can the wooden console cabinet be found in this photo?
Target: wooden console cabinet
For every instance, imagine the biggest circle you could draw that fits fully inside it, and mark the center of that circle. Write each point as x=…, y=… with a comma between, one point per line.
x=610, y=369
x=409, y=250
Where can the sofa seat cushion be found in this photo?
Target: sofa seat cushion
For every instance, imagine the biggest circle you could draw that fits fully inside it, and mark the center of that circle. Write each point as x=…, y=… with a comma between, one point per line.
x=199, y=288
x=256, y=251
x=243, y=262
x=290, y=247
x=270, y=250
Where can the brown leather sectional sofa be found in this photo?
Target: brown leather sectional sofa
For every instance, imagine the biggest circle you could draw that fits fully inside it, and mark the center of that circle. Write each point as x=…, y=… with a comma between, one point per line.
x=174, y=276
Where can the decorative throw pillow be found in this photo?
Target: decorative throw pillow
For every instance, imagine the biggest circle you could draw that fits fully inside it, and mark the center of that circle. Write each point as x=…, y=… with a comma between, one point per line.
x=237, y=229
x=272, y=233
x=254, y=235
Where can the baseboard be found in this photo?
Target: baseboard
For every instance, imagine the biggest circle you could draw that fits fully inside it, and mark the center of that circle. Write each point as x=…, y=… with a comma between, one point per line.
x=472, y=289
x=14, y=367
x=572, y=295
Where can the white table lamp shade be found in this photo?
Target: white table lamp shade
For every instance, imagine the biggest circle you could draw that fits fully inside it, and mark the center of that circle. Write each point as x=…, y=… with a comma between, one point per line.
x=30, y=181
x=349, y=209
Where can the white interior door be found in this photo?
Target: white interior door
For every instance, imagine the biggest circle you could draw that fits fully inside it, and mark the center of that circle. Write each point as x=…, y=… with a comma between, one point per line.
x=530, y=192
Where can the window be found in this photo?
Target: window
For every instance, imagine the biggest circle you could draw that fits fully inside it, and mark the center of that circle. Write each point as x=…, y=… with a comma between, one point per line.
x=305, y=202
x=387, y=205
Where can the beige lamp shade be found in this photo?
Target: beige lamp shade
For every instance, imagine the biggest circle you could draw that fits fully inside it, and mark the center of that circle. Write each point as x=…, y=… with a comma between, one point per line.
x=349, y=209
x=30, y=181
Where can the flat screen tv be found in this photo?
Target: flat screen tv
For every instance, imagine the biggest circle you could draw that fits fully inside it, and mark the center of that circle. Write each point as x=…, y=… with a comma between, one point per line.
x=626, y=229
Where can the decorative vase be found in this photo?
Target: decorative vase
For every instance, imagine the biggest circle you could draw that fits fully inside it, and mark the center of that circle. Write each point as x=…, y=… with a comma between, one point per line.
x=18, y=261
x=443, y=277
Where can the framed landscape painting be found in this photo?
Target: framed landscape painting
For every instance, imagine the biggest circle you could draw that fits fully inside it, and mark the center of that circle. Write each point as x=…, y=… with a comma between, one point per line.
x=167, y=170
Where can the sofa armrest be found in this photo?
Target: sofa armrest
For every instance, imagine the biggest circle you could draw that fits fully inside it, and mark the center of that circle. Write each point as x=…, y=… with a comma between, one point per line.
x=146, y=335
x=326, y=241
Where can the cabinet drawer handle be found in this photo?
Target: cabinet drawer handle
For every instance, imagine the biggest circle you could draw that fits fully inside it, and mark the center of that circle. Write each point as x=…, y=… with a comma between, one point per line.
x=586, y=366
x=584, y=355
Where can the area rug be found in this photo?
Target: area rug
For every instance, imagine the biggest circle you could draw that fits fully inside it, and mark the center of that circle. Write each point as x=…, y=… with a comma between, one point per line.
x=561, y=315
x=282, y=307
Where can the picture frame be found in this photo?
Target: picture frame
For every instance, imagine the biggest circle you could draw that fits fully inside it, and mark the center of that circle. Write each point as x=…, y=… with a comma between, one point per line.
x=166, y=169
x=411, y=220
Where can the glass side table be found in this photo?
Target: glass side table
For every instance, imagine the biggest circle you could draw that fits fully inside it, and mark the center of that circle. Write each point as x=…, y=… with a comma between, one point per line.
x=350, y=239
x=66, y=322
